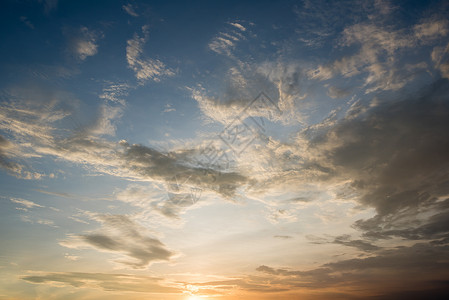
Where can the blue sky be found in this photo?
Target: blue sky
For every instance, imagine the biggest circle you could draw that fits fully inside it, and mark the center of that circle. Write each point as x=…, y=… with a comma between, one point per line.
x=224, y=149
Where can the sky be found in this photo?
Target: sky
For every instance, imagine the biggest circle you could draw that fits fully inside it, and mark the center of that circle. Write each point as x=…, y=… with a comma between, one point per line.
x=188, y=150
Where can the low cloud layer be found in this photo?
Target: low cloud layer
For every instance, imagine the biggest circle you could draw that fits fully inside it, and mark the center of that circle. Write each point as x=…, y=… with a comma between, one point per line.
x=390, y=273
x=104, y=281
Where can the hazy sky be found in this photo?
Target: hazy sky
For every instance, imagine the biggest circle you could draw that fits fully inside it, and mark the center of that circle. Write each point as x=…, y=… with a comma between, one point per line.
x=224, y=149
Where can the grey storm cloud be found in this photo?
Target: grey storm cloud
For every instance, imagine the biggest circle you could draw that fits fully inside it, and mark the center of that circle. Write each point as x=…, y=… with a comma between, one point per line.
x=391, y=272
x=396, y=155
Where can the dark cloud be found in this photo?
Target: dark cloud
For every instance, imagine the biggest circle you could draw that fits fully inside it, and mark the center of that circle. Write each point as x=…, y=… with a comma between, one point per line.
x=359, y=244
x=121, y=235
x=172, y=169
x=391, y=272
x=396, y=154
x=283, y=237
x=300, y=200
x=344, y=240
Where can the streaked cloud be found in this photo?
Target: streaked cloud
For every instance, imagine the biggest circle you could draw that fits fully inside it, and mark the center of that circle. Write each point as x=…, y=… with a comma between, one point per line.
x=25, y=203
x=225, y=42
x=129, y=8
x=105, y=281
x=145, y=68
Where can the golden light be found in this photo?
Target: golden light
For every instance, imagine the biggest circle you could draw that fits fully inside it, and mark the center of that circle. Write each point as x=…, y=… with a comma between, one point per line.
x=196, y=298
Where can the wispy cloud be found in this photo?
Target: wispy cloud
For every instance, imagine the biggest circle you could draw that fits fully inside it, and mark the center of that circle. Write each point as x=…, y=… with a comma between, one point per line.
x=280, y=82
x=145, y=68
x=25, y=203
x=129, y=8
x=49, y=5
x=379, y=74
x=27, y=22
x=168, y=108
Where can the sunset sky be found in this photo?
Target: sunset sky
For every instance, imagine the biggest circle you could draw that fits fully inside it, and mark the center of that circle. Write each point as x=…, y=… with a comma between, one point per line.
x=188, y=150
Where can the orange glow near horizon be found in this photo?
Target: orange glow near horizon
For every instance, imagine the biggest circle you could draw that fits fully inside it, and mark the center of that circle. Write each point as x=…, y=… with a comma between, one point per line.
x=193, y=297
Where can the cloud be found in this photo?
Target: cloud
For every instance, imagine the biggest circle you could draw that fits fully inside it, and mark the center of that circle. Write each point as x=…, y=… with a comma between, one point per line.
x=11, y=166
x=69, y=257
x=378, y=60
x=58, y=194
x=29, y=116
x=279, y=82
x=440, y=58
x=173, y=167
x=394, y=154
x=31, y=119
x=25, y=203
x=168, y=108
x=283, y=237
x=27, y=22
x=104, y=123
x=105, y=281
x=110, y=112
x=49, y=5
x=129, y=8
x=383, y=274
x=344, y=240
x=157, y=199
x=335, y=92
x=37, y=220
x=224, y=43
x=431, y=29
x=239, y=26
x=82, y=42
x=359, y=244
x=115, y=92
x=318, y=20
x=119, y=234
x=147, y=68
